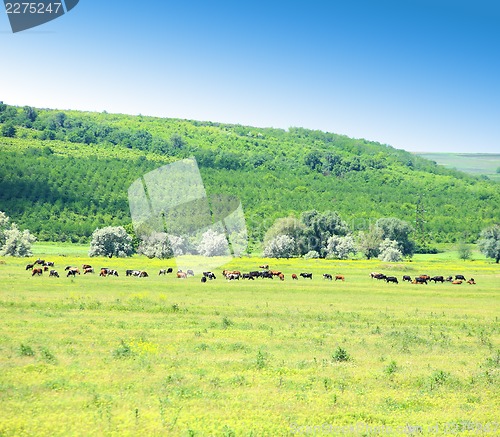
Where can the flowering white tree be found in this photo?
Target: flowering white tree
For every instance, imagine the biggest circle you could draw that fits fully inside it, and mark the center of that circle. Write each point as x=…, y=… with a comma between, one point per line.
x=156, y=245
x=390, y=251
x=341, y=247
x=213, y=244
x=16, y=242
x=111, y=241
x=282, y=246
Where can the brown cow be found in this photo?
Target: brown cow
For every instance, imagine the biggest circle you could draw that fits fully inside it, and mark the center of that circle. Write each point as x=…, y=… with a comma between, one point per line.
x=104, y=272
x=73, y=272
x=294, y=276
x=37, y=271
x=281, y=276
x=457, y=282
x=471, y=281
x=182, y=275
x=275, y=272
x=264, y=266
x=86, y=266
x=88, y=270
x=339, y=278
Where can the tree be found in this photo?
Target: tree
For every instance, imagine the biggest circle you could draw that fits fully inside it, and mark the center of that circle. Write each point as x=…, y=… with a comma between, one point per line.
x=213, y=244
x=464, y=251
x=489, y=243
x=369, y=242
x=291, y=227
x=17, y=243
x=111, y=241
x=341, y=247
x=397, y=230
x=319, y=228
x=4, y=225
x=156, y=245
x=389, y=251
x=8, y=130
x=282, y=246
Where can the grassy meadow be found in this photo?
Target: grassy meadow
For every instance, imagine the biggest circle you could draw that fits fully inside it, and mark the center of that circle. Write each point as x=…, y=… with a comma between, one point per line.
x=164, y=356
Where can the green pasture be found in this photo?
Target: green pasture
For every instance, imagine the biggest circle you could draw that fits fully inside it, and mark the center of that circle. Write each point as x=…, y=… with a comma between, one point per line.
x=164, y=356
x=473, y=163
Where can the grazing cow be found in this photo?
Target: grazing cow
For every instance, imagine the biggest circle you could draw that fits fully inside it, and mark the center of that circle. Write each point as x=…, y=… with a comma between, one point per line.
x=86, y=266
x=457, y=277
x=29, y=266
x=281, y=276
x=339, y=278
x=248, y=276
x=391, y=279
x=37, y=271
x=73, y=272
x=420, y=280
x=48, y=264
x=45, y=268
x=233, y=276
x=294, y=276
x=471, y=281
x=190, y=273
x=143, y=274
x=231, y=272
x=327, y=276
x=264, y=266
x=437, y=279
x=449, y=279
x=162, y=272
x=457, y=282
x=254, y=274
x=68, y=267
x=426, y=277
x=406, y=278
x=88, y=270
x=170, y=270
x=104, y=272
x=267, y=275
x=275, y=272
x=112, y=272
x=40, y=261
x=378, y=276
x=209, y=275
x=54, y=274
x=181, y=275
x=203, y=279
x=307, y=275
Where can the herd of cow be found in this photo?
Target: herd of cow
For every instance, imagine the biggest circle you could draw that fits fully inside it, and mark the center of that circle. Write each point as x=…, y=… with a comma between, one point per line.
x=40, y=266
x=423, y=279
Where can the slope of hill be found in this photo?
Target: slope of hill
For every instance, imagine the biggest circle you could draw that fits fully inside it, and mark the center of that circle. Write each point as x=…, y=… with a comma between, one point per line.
x=486, y=164
x=64, y=173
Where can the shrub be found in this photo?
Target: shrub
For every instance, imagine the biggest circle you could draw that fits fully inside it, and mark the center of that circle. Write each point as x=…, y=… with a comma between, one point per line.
x=340, y=355
x=111, y=241
x=282, y=246
x=213, y=244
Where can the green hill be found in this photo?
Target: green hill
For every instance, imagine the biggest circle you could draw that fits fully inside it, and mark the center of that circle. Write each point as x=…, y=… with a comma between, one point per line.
x=64, y=173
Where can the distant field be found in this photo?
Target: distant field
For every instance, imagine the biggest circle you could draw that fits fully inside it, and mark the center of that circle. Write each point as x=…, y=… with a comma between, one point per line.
x=474, y=163
x=166, y=356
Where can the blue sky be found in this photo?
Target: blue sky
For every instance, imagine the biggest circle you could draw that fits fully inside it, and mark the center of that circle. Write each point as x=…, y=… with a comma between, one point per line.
x=418, y=75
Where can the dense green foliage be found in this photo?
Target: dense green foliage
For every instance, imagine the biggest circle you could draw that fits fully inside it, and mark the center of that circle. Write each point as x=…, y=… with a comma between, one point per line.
x=65, y=173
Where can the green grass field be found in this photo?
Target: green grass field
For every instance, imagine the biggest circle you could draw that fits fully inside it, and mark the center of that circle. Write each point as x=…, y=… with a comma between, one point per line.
x=164, y=356
x=473, y=163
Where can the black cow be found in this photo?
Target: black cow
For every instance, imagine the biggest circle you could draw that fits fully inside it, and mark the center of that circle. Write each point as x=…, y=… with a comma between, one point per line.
x=449, y=279
x=420, y=280
x=162, y=272
x=378, y=276
x=54, y=274
x=457, y=277
x=391, y=279
x=209, y=275
x=170, y=270
x=203, y=279
x=327, y=276
x=437, y=279
x=307, y=275
x=29, y=266
x=248, y=276
x=72, y=272
x=267, y=275
x=406, y=278
x=190, y=273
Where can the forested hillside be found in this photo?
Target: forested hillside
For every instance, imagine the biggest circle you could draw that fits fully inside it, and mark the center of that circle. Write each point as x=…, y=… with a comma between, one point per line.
x=64, y=173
